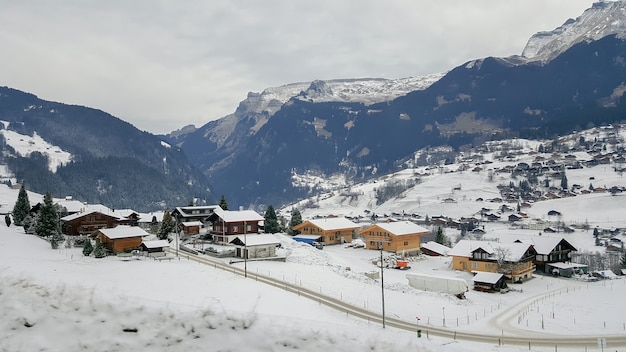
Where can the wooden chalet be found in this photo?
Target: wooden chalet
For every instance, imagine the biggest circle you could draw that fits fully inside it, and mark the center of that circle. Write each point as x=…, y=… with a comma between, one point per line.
x=194, y=213
x=86, y=223
x=398, y=237
x=191, y=227
x=121, y=238
x=549, y=250
x=332, y=230
x=489, y=282
x=514, y=260
x=434, y=249
x=228, y=224
x=126, y=217
x=154, y=248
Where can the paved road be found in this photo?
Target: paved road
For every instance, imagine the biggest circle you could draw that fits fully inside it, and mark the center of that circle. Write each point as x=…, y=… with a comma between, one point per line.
x=521, y=337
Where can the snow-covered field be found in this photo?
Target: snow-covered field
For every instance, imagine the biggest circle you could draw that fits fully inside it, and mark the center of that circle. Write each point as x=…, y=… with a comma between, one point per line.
x=58, y=300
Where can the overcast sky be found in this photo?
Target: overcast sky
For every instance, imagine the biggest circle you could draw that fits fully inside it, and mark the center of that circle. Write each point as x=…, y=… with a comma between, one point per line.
x=161, y=65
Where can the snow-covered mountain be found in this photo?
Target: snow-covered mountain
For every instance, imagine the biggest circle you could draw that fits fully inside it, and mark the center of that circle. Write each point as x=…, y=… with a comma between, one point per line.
x=349, y=127
x=602, y=19
x=265, y=104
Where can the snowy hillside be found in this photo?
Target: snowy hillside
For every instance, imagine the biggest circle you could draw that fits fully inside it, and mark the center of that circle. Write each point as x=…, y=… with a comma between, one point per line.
x=26, y=145
x=474, y=181
x=602, y=19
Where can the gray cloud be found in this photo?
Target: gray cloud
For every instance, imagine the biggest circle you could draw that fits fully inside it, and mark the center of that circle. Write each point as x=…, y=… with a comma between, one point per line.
x=162, y=65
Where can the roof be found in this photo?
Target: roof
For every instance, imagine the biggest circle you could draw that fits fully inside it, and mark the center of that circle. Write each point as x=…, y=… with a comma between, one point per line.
x=197, y=211
x=307, y=237
x=436, y=247
x=560, y=265
x=79, y=215
x=238, y=215
x=399, y=228
x=544, y=244
x=327, y=224
x=192, y=223
x=122, y=231
x=513, y=252
x=156, y=244
x=486, y=277
x=258, y=240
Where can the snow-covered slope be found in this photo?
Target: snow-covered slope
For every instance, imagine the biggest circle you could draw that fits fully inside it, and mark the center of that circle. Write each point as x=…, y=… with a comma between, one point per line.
x=261, y=106
x=602, y=19
x=26, y=145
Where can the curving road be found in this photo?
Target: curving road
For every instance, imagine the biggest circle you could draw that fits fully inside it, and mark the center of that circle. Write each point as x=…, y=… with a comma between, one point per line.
x=513, y=336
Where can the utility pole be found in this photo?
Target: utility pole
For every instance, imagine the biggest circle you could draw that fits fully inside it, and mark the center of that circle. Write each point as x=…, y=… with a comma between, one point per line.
x=245, y=250
x=382, y=281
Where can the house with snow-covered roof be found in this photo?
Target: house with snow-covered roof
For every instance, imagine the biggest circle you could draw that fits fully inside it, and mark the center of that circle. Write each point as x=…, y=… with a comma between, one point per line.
x=549, y=250
x=514, y=260
x=86, y=223
x=194, y=213
x=255, y=246
x=121, y=238
x=398, y=237
x=434, y=249
x=332, y=230
x=228, y=224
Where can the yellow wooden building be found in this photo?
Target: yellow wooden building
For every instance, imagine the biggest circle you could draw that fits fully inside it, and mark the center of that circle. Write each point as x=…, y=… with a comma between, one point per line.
x=398, y=237
x=514, y=260
x=331, y=230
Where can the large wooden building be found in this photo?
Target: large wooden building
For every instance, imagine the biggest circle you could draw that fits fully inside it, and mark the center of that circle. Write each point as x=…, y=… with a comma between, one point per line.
x=86, y=223
x=228, y=224
x=398, y=237
x=331, y=230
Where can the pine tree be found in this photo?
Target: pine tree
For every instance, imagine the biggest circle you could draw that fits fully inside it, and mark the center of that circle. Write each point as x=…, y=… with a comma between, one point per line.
x=21, y=208
x=271, y=220
x=99, y=251
x=296, y=219
x=48, y=224
x=563, y=181
x=440, y=238
x=87, y=248
x=223, y=203
x=168, y=224
x=7, y=220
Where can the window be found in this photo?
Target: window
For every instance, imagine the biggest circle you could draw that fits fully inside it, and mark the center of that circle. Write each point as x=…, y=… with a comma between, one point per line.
x=473, y=265
x=406, y=243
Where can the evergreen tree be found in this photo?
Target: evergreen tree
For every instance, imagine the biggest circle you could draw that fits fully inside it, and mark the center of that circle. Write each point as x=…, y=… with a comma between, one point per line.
x=7, y=220
x=48, y=224
x=223, y=203
x=167, y=226
x=21, y=208
x=563, y=181
x=30, y=223
x=87, y=248
x=98, y=250
x=440, y=238
x=271, y=220
x=296, y=219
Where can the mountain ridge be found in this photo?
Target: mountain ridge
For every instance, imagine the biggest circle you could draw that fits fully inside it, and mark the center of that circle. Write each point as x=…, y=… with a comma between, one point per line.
x=537, y=96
